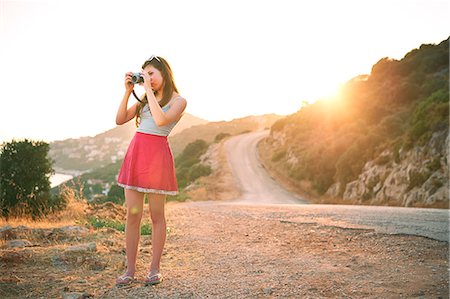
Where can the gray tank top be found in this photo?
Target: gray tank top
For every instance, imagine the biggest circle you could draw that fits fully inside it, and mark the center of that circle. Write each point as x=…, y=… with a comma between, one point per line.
x=148, y=125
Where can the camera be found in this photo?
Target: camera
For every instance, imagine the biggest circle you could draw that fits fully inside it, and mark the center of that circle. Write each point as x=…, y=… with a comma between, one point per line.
x=137, y=78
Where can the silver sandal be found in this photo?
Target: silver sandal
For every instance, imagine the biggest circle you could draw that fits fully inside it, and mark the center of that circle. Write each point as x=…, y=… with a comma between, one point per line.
x=124, y=280
x=153, y=279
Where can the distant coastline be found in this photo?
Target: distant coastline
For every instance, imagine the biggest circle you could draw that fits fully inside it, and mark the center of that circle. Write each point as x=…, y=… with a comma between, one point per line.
x=63, y=175
x=59, y=178
x=70, y=172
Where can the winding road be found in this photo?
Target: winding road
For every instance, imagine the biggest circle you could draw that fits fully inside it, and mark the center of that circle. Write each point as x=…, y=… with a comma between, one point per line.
x=258, y=188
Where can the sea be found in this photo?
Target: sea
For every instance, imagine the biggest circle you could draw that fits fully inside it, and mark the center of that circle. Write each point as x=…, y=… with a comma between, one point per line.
x=59, y=178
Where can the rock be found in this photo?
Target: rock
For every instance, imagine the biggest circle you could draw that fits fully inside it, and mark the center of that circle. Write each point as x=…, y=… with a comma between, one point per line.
x=6, y=232
x=75, y=295
x=20, y=232
x=67, y=232
x=268, y=291
x=441, y=195
x=18, y=243
x=420, y=177
x=81, y=248
x=12, y=257
x=73, y=230
x=333, y=191
x=108, y=243
x=57, y=261
x=107, y=230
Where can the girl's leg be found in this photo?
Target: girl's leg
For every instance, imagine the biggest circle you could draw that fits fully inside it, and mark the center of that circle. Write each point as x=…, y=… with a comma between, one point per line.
x=135, y=205
x=156, y=204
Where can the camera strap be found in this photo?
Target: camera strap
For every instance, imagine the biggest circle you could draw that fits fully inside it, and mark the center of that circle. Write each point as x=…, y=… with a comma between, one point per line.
x=137, y=98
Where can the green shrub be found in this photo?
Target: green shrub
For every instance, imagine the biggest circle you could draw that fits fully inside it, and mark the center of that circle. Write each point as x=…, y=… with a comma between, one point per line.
x=430, y=115
x=350, y=164
x=95, y=222
x=417, y=178
x=434, y=165
x=221, y=136
x=382, y=160
x=188, y=166
x=277, y=156
x=199, y=170
x=25, y=170
x=116, y=194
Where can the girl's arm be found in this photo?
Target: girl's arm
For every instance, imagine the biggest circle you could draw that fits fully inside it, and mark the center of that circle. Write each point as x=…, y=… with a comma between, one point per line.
x=162, y=118
x=123, y=114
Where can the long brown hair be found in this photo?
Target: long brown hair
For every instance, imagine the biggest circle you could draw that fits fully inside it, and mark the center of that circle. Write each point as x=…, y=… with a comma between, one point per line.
x=169, y=86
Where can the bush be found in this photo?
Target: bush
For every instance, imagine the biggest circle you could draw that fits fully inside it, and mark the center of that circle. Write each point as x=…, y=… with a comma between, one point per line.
x=277, y=156
x=199, y=170
x=25, y=171
x=350, y=164
x=116, y=194
x=95, y=222
x=382, y=160
x=221, y=136
x=417, y=178
x=430, y=115
x=188, y=166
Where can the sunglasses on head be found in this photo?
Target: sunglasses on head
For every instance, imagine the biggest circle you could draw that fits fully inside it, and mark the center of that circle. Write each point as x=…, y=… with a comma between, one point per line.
x=154, y=57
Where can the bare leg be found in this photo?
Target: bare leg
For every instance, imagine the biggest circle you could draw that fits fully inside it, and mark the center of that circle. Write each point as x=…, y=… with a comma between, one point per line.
x=156, y=204
x=135, y=205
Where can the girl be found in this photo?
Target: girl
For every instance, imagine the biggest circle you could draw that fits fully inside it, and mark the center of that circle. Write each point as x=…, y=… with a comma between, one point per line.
x=148, y=166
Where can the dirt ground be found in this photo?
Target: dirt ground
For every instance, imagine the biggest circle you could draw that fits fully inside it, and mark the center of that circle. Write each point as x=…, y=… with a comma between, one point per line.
x=215, y=250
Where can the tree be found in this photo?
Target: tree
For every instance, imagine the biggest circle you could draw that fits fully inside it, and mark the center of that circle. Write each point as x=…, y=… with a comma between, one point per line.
x=25, y=172
x=116, y=195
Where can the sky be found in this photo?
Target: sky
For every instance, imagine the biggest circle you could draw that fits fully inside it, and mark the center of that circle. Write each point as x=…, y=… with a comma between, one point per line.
x=62, y=63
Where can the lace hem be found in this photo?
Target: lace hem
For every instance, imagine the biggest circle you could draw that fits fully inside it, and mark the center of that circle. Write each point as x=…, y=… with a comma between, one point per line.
x=145, y=190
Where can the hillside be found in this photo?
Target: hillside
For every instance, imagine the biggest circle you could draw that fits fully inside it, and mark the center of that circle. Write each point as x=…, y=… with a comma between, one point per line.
x=384, y=140
x=93, y=152
x=98, y=182
x=209, y=131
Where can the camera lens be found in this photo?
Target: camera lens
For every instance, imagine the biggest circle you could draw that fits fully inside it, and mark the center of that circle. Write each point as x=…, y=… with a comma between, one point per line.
x=137, y=78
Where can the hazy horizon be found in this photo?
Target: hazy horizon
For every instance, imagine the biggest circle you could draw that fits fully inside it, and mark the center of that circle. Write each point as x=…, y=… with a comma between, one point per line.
x=63, y=61
x=94, y=134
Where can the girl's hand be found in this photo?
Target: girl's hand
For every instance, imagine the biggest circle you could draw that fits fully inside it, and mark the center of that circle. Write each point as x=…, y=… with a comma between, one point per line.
x=128, y=83
x=147, y=80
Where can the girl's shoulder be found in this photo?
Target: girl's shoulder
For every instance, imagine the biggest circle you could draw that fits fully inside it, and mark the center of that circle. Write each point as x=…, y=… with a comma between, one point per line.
x=177, y=97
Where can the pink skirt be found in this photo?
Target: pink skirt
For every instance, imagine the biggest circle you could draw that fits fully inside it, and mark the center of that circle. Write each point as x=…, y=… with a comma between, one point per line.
x=148, y=166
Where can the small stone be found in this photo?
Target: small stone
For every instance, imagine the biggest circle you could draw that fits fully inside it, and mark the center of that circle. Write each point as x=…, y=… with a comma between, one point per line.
x=18, y=243
x=92, y=246
x=268, y=291
x=75, y=295
x=108, y=242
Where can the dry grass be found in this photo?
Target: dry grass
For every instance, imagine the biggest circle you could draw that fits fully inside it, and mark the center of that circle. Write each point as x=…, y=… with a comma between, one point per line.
x=75, y=210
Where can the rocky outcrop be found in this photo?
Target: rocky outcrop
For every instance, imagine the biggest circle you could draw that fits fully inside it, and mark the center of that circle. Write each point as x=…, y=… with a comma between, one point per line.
x=417, y=177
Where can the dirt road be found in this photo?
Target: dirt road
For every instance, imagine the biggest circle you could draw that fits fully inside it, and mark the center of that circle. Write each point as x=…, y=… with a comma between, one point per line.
x=256, y=185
